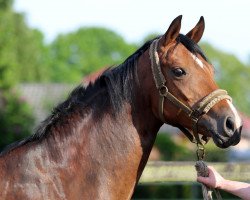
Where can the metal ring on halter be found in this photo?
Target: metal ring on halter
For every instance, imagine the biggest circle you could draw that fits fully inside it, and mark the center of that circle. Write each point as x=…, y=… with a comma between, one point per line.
x=163, y=90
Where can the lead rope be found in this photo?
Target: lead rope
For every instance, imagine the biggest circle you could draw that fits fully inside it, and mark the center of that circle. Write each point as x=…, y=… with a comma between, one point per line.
x=202, y=170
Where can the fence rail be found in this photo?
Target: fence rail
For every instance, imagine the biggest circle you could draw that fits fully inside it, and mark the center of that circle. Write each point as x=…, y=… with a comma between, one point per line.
x=169, y=172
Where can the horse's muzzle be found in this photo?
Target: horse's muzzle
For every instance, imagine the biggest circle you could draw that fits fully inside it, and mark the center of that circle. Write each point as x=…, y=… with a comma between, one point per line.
x=224, y=141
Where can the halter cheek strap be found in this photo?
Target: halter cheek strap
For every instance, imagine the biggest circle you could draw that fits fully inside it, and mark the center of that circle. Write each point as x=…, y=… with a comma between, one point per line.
x=194, y=114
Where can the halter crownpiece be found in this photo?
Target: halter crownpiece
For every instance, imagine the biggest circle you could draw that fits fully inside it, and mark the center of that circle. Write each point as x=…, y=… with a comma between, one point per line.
x=194, y=114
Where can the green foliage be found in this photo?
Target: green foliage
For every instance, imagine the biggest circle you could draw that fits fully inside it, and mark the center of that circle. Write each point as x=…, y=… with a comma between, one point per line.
x=214, y=153
x=7, y=53
x=171, y=150
x=22, y=51
x=16, y=119
x=31, y=53
x=79, y=53
x=5, y=4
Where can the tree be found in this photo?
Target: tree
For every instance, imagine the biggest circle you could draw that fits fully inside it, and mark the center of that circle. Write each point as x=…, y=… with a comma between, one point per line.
x=16, y=119
x=31, y=53
x=22, y=51
x=7, y=45
x=79, y=53
x=5, y=4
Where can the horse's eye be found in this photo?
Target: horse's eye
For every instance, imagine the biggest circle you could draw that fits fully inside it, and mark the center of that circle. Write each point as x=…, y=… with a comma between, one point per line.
x=178, y=72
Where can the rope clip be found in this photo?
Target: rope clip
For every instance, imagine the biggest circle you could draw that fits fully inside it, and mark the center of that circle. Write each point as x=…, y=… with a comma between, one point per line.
x=200, y=152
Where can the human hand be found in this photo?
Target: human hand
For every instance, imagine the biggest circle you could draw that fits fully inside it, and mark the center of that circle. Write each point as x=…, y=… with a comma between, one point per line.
x=214, y=179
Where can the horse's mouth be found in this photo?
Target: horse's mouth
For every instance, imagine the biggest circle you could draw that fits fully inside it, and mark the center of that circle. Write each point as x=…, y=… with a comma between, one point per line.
x=224, y=142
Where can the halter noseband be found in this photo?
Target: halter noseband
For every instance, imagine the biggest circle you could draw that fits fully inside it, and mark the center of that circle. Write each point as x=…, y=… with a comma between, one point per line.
x=194, y=114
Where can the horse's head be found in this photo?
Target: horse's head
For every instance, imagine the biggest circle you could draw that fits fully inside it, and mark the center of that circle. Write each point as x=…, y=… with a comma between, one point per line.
x=188, y=96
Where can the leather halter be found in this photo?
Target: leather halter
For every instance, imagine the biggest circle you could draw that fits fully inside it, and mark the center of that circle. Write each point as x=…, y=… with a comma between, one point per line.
x=194, y=114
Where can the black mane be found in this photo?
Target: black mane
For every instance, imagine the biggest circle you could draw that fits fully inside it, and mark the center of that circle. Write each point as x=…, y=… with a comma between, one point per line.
x=116, y=86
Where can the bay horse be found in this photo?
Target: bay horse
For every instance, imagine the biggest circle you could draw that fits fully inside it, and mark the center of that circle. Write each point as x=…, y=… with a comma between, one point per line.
x=96, y=144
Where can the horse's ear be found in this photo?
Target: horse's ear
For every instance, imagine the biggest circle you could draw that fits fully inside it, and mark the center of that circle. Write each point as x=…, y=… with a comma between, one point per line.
x=173, y=31
x=196, y=33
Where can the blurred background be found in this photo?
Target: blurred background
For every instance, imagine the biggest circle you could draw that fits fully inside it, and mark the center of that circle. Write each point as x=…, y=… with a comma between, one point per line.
x=49, y=47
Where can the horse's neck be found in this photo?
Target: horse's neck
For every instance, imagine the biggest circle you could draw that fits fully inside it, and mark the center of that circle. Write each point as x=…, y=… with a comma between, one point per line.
x=109, y=153
x=113, y=151
x=123, y=149
x=130, y=140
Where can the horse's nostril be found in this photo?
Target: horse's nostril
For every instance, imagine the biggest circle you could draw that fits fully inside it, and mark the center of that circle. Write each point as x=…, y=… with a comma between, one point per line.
x=229, y=126
x=230, y=123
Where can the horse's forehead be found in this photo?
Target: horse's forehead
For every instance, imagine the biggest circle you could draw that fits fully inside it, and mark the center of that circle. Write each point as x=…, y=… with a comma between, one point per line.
x=197, y=60
x=181, y=55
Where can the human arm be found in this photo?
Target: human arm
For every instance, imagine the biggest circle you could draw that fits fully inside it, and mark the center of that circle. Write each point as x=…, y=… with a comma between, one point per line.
x=215, y=180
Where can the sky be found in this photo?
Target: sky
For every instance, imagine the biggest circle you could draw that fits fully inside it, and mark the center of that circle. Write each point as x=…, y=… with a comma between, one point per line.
x=227, y=22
